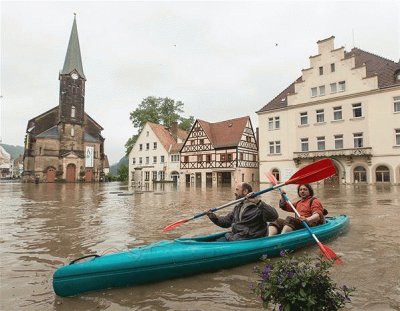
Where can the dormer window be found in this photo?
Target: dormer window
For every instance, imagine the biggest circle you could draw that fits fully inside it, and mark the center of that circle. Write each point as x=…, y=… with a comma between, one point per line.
x=73, y=112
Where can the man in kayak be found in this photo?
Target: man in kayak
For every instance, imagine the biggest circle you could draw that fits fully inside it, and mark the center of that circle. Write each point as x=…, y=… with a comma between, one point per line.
x=309, y=208
x=248, y=219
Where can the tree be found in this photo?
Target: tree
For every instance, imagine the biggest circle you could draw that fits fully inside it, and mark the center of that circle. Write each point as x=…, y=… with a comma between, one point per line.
x=123, y=172
x=158, y=110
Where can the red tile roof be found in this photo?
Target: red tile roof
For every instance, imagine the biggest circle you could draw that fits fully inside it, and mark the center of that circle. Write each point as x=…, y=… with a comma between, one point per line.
x=384, y=68
x=165, y=136
x=225, y=133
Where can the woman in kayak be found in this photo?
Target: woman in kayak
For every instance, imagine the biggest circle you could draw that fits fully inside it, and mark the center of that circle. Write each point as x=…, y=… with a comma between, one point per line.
x=309, y=208
x=248, y=219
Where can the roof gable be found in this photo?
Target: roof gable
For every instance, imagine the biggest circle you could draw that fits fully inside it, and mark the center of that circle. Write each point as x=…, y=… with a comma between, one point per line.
x=226, y=133
x=385, y=70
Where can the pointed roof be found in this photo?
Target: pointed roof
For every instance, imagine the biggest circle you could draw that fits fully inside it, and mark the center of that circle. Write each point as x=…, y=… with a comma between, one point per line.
x=165, y=136
x=225, y=133
x=73, y=60
x=381, y=67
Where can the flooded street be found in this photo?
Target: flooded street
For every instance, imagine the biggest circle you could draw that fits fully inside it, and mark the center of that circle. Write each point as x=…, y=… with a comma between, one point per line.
x=47, y=225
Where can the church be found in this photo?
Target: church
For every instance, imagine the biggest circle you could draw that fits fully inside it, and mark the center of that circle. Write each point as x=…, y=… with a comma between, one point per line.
x=65, y=143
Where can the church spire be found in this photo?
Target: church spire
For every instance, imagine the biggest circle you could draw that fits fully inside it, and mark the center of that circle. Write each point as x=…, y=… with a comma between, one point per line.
x=73, y=60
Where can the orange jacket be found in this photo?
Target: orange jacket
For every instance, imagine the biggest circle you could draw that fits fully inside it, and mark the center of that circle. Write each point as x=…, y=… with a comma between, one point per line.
x=304, y=208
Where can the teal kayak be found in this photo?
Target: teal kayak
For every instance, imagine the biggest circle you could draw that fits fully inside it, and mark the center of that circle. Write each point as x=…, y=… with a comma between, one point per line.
x=169, y=259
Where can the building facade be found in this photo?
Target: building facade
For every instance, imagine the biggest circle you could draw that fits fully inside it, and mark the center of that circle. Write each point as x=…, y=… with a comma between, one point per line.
x=220, y=153
x=155, y=155
x=345, y=106
x=65, y=143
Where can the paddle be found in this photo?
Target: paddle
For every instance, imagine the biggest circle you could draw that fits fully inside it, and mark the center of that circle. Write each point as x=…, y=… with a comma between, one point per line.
x=328, y=253
x=313, y=172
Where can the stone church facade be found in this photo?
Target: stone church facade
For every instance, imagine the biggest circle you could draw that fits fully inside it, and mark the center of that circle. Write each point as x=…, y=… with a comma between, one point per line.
x=65, y=143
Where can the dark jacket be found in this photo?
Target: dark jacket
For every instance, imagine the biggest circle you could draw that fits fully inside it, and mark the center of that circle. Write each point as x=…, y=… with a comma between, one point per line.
x=248, y=220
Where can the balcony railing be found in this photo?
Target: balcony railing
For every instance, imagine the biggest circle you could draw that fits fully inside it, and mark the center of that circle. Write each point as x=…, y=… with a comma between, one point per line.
x=349, y=154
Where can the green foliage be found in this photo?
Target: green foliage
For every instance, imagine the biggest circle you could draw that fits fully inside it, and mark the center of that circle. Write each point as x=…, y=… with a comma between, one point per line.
x=14, y=151
x=301, y=283
x=158, y=110
x=123, y=172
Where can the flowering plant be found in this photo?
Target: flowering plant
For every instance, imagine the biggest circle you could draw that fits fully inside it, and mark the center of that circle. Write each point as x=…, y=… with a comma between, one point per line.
x=299, y=283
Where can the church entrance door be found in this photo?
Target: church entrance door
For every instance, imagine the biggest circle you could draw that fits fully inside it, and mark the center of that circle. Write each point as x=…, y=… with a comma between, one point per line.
x=51, y=174
x=71, y=173
x=89, y=175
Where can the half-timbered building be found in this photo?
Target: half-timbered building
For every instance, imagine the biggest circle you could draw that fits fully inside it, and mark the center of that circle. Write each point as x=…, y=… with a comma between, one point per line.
x=224, y=152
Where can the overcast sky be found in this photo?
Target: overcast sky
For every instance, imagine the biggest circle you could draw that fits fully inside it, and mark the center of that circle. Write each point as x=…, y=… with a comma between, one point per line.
x=221, y=59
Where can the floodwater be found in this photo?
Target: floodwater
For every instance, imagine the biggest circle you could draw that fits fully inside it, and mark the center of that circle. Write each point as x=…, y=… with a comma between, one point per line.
x=47, y=225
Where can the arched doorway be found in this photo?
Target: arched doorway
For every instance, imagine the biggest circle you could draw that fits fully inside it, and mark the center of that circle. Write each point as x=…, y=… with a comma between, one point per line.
x=88, y=175
x=175, y=176
x=50, y=174
x=71, y=173
x=382, y=174
x=360, y=174
x=334, y=179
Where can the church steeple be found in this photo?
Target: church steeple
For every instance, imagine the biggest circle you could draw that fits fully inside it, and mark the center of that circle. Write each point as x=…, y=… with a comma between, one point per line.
x=72, y=83
x=73, y=60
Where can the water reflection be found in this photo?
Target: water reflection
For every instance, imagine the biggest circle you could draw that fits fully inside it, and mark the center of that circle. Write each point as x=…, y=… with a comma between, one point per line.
x=46, y=225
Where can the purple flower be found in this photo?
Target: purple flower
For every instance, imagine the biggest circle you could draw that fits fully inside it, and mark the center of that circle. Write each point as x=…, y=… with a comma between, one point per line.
x=266, y=271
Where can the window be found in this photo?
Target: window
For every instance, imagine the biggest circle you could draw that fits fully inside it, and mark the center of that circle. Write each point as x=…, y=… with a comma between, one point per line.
x=357, y=110
x=273, y=123
x=193, y=142
x=222, y=157
x=333, y=88
x=199, y=158
x=146, y=176
x=338, y=141
x=175, y=158
x=275, y=172
x=202, y=141
x=337, y=113
x=133, y=161
x=321, y=71
x=140, y=161
x=320, y=116
x=208, y=157
x=396, y=103
x=358, y=140
x=154, y=175
x=360, y=174
x=382, y=174
x=397, y=133
x=274, y=147
x=321, y=143
x=162, y=159
x=162, y=175
x=241, y=156
x=230, y=156
x=186, y=159
x=147, y=133
x=303, y=118
x=304, y=144
x=277, y=123
x=313, y=92
x=248, y=139
x=342, y=86
x=155, y=145
x=73, y=112
x=322, y=90
x=147, y=160
x=140, y=147
x=72, y=131
x=147, y=146
x=154, y=160
x=333, y=67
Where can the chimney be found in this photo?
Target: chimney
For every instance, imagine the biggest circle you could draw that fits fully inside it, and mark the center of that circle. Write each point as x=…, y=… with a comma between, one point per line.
x=174, y=130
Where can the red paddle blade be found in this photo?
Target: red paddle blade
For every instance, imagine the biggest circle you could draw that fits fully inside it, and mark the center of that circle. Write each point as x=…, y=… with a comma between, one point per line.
x=271, y=178
x=175, y=224
x=329, y=253
x=313, y=172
